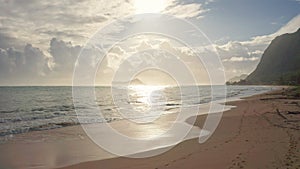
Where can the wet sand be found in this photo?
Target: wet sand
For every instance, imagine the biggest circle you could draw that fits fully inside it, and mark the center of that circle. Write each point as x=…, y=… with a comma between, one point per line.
x=262, y=131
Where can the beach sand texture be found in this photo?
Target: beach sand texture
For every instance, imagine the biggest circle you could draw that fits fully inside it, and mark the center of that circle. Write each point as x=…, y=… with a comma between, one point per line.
x=262, y=131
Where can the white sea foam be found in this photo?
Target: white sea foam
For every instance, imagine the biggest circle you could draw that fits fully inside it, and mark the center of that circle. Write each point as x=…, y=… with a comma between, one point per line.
x=24, y=109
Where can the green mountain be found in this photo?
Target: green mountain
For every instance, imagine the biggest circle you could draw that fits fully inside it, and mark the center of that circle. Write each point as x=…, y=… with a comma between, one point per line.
x=280, y=63
x=238, y=78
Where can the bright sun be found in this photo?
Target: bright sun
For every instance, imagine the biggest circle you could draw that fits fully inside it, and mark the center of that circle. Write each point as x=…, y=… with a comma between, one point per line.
x=149, y=6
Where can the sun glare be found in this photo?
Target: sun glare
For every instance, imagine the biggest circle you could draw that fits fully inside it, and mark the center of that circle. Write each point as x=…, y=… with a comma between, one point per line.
x=145, y=92
x=149, y=6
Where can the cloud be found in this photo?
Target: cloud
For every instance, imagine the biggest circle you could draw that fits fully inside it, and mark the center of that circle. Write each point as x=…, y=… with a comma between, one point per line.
x=29, y=63
x=8, y=42
x=65, y=58
x=165, y=53
x=34, y=61
x=72, y=20
x=179, y=9
x=262, y=41
x=209, y=1
x=63, y=55
x=37, y=22
x=69, y=20
x=292, y=26
x=242, y=57
x=31, y=66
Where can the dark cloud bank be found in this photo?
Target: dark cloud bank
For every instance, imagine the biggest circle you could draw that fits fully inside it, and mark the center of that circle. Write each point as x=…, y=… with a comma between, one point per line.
x=31, y=66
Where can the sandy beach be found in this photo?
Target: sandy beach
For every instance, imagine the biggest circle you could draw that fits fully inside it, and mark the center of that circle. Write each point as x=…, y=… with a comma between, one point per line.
x=262, y=131
x=150, y=84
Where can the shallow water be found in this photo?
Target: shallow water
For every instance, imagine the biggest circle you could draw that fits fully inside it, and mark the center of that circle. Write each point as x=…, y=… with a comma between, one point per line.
x=24, y=109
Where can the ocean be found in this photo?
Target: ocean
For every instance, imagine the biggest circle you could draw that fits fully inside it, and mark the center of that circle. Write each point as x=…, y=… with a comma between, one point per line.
x=25, y=109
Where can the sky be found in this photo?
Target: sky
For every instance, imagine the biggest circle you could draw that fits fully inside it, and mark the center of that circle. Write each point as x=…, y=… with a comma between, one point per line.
x=40, y=41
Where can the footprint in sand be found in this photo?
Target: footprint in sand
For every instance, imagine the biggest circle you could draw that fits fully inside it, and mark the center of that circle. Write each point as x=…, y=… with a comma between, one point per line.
x=238, y=162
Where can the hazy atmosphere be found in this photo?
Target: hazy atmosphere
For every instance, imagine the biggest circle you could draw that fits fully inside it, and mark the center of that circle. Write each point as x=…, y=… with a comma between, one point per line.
x=149, y=84
x=40, y=41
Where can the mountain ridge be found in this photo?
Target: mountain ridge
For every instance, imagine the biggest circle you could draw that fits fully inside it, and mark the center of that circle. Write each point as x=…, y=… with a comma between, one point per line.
x=279, y=64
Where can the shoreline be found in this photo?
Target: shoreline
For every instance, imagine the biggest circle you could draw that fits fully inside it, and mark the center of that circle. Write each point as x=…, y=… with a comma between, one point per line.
x=82, y=140
x=251, y=133
x=31, y=125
